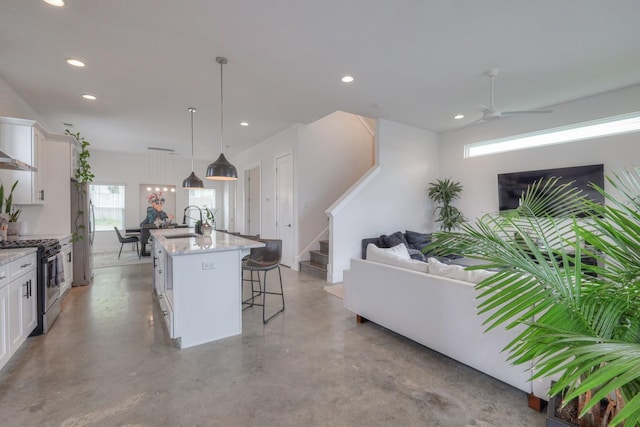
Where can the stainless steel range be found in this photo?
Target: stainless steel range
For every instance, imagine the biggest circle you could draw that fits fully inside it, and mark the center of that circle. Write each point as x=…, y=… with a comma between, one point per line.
x=48, y=283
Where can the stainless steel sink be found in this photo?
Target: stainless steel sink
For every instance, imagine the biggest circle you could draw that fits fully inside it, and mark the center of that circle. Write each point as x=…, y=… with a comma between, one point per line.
x=181, y=236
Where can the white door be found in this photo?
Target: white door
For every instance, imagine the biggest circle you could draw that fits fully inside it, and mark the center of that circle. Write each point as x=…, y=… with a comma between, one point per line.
x=252, y=201
x=284, y=200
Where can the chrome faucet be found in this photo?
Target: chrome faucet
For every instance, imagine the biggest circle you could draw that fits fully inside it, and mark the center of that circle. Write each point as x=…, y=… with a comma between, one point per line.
x=198, y=226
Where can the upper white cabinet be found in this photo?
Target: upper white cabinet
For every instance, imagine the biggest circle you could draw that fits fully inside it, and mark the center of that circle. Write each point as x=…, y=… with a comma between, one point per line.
x=23, y=140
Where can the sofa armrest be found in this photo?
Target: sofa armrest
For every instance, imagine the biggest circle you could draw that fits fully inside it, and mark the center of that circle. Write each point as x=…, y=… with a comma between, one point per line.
x=365, y=243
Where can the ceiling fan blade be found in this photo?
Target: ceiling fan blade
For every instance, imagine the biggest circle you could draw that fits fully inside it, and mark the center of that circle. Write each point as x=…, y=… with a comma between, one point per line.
x=514, y=113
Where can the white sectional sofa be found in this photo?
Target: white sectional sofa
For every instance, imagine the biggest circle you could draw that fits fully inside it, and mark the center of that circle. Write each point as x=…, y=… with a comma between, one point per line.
x=438, y=312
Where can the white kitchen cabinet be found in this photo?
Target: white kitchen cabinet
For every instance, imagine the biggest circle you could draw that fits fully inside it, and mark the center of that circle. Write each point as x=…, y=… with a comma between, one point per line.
x=158, y=268
x=23, y=140
x=22, y=300
x=5, y=351
x=18, y=304
x=67, y=251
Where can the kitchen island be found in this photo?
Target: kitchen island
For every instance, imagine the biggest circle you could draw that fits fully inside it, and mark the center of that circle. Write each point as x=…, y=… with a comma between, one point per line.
x=198, y=282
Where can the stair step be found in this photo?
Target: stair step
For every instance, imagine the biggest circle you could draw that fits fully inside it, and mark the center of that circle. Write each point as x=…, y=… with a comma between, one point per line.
x=319, y=257
x=324, y=246
x=313, y=269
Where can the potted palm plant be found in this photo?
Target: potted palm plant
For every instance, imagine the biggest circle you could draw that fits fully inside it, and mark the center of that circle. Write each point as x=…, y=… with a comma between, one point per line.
x=582, y=319
x=445, y=191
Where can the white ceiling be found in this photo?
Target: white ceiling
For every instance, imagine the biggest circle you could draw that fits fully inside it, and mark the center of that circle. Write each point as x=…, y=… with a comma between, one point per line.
x=417, y=62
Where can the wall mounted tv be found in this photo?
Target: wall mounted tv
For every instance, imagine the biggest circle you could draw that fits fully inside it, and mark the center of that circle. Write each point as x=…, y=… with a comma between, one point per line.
x=511, y=186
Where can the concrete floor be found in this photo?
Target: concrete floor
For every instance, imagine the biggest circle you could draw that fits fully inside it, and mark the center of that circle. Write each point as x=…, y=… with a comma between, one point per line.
x=108, y=361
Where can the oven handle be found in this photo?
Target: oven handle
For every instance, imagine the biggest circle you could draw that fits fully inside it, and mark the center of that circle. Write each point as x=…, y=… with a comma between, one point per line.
x=51, y=258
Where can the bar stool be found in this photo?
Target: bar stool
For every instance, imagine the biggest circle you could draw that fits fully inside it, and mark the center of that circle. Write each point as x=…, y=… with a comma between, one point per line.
x=263, y=259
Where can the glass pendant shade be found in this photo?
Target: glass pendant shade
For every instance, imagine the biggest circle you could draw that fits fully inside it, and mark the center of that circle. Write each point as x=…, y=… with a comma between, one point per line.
x=192, y=181
x=221, y=169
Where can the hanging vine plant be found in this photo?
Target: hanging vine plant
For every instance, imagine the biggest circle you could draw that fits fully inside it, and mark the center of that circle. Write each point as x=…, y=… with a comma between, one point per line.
x=83, y=175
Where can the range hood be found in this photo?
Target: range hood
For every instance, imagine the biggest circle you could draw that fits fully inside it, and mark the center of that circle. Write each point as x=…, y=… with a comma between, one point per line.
x=8, y=162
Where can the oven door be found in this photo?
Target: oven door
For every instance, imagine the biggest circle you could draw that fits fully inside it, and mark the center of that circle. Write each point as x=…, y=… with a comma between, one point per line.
x=51, y=284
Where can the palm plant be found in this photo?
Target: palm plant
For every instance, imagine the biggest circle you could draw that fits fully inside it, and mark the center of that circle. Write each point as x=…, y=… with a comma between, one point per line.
x=445, y=191
x=582, y=321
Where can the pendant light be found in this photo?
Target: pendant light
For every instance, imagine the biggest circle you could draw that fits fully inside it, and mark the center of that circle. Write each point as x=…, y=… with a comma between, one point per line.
x=192, y=181
x=221, y=169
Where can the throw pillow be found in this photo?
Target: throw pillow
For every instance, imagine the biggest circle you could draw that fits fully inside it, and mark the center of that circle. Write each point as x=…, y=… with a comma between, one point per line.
x=417, y=240
x=399, y=250
x=416, y=254
x=393, y=240
x=389, y=256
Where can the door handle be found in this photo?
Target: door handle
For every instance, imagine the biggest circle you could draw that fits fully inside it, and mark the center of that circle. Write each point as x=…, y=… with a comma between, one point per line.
x=289, y=225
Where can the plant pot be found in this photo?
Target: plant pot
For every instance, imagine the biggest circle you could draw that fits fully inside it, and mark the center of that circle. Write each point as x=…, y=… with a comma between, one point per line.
x=206, y=229
x=552, y=419
x=13, y=228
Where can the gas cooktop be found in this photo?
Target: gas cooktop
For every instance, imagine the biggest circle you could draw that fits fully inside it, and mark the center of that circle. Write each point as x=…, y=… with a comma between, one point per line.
x=29, y=243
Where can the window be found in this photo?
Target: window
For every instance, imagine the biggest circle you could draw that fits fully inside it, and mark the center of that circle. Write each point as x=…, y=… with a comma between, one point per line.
x=108, y=206
x=202, y=198
x=594, y=129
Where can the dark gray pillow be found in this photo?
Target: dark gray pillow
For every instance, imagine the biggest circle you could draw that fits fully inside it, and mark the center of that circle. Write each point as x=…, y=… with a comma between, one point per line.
x=394, y=240
x=417, y=240
x=416, y=254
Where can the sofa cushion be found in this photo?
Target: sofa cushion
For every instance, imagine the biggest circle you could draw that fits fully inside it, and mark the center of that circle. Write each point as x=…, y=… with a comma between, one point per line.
x=417, y=240
x=477, y=276
x=417, y=254
x=447, y=270
x=396, y=256
x=393, y=240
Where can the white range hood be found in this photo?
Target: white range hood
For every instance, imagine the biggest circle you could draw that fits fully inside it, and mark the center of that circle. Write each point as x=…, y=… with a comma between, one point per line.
x=8, y=162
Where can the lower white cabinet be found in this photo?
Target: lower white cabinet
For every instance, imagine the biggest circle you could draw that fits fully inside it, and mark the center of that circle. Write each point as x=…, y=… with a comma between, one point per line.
x=5, y=352
x=18, y=304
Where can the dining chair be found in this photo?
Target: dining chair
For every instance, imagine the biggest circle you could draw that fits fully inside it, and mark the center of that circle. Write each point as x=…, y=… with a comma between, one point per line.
x=129, y=239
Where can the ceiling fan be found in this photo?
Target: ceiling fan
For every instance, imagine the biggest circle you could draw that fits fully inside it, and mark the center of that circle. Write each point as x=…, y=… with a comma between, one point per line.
x=490, y=113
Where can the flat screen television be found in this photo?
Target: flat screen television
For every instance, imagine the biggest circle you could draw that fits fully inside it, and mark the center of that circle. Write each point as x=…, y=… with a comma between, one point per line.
x=511, y=186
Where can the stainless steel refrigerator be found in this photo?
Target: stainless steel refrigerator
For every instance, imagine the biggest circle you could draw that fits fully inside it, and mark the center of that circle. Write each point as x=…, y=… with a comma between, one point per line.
x=83, y=228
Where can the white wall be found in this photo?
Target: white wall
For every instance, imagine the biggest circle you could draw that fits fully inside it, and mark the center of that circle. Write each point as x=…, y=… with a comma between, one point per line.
x=264, y=155
x=329, y=155
x=479, y=175
x=54, y=216
x=395, y=199
x=131, y=170
x=11, y=105
x=333, y=153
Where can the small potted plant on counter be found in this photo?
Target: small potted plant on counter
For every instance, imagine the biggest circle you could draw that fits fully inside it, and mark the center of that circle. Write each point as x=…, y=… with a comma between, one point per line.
x=10, y=213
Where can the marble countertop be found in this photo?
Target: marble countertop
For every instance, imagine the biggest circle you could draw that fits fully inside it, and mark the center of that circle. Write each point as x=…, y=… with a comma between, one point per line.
x=8, y=255
x=217, y=242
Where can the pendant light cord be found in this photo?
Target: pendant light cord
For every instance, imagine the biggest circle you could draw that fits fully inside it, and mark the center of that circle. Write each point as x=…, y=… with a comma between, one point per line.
x=192, y=110
x=221, y=108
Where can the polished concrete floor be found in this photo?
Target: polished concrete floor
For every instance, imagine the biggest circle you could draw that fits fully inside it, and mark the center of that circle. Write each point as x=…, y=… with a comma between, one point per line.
x=108, y=361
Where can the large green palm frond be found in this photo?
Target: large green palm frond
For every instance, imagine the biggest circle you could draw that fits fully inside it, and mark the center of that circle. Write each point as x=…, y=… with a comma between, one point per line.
x=580, y=320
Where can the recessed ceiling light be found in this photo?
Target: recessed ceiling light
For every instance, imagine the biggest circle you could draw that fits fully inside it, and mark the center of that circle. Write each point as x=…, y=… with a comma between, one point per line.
x=89, y=96
x=244, y=124
x=75, y=62
x=347, y=79
x=57, y=3
x=458, y=116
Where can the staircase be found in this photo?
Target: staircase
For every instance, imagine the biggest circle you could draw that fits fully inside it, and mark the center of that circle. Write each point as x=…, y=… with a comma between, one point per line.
x=317, y=266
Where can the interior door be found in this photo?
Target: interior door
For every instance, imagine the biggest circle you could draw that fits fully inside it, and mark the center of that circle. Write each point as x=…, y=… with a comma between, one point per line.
x=284, y=200
x=252, y=201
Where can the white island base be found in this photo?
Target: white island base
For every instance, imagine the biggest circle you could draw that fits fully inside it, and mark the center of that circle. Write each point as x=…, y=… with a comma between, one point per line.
x=199, y=285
